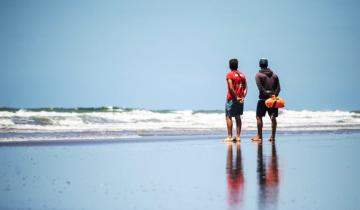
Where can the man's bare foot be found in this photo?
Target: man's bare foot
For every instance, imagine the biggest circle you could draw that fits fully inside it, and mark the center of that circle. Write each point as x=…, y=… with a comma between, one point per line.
x=256, y=138
x=237, y=139
x=228, y=139
x=272, y=139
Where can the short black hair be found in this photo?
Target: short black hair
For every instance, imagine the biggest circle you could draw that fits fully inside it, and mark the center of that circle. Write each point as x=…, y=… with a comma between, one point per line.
x=233, y=63
x=263, y=63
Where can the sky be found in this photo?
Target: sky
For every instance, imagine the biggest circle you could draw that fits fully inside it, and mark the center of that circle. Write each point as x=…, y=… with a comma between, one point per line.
x=165, y=54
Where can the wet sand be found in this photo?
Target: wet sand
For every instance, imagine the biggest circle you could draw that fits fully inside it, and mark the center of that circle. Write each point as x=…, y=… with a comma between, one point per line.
x=302, y=171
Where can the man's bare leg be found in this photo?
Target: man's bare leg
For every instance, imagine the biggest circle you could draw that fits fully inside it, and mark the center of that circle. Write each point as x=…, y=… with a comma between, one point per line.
x=273, y=128
x=259, y=123
x=229, y=125
x=238, y=127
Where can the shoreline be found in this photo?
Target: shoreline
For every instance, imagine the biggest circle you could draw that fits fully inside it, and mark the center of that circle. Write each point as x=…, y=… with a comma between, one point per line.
x=246, y=136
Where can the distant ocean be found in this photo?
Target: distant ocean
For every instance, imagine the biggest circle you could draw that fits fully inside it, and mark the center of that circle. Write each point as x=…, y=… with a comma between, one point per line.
x=44, y=124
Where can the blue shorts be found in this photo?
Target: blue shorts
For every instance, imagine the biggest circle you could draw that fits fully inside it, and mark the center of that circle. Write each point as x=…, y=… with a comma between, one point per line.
x=233, y=108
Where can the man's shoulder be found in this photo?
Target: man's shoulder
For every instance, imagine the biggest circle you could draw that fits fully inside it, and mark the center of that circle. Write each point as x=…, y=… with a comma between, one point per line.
x=233, y=74
x=274, y=75
x=229, y=75
x=242, y=75
x=259, y=74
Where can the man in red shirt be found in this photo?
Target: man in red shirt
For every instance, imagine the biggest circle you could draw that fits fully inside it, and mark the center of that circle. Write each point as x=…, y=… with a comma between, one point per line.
x=234, y=107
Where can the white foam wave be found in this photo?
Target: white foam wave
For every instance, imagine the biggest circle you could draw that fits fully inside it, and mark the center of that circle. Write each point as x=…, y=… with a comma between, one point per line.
x=142, y=121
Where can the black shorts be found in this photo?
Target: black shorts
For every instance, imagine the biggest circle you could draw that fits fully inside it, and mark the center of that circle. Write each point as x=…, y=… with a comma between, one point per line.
x=233, y=108
x=261, y=109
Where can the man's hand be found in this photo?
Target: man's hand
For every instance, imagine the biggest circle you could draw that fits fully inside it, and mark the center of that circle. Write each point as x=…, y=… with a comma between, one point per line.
x=240, y=100
x=269, y=93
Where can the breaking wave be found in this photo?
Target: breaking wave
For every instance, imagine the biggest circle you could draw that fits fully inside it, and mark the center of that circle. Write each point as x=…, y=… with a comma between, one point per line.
x=116, y=122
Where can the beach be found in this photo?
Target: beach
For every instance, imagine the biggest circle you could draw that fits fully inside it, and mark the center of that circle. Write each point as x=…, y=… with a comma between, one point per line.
x=300, y=171
x=126, y=105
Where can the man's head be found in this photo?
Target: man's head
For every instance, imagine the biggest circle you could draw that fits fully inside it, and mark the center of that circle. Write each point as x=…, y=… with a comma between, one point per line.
x=263, y=63
x=233, y=63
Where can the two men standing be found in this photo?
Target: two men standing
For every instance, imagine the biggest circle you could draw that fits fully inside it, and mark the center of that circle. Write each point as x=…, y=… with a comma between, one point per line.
x=268, y=84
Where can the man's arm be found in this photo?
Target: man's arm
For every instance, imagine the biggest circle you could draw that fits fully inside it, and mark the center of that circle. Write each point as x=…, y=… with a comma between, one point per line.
x=245, y=88
x=231, y=88
x=278, y=89
x=259, y=85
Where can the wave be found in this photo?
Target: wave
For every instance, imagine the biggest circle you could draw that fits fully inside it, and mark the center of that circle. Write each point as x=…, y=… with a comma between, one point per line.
x=112, y=122
x=71, y=110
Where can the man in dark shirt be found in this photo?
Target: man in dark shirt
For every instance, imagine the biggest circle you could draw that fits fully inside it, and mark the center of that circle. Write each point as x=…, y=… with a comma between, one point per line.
x=268, y=84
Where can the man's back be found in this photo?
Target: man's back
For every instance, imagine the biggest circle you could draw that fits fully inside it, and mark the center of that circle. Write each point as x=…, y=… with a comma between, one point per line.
x=239, y=83
x=268, y=83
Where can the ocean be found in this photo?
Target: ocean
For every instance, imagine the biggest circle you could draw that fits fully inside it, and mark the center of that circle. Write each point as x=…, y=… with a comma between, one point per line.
x=45, y=124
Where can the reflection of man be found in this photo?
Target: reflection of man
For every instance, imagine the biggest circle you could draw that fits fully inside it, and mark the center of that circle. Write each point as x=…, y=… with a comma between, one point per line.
x=235, y=176
x=268, y=84
x=272, y=176
x=268, y=177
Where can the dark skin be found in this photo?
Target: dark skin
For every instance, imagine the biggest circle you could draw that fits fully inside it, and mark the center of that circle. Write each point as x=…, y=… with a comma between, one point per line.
x=259, y=135
x=259, y=123
x=229, y=121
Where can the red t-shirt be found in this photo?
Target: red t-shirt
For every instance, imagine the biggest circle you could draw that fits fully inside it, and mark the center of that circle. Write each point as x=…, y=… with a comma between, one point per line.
x=239, y=82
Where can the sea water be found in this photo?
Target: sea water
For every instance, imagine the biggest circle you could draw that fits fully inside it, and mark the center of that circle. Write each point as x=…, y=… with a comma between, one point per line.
x=45, y=124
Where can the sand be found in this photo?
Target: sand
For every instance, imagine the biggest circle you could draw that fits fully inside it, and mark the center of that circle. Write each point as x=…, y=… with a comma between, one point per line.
x=299, y=171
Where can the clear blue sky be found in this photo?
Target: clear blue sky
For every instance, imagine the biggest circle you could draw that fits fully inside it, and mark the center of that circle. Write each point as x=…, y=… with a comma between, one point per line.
x=174, y=54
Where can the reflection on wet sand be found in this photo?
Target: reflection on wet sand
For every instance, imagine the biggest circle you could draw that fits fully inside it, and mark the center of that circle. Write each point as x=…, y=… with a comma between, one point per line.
x=235, y=176
x=268, y=178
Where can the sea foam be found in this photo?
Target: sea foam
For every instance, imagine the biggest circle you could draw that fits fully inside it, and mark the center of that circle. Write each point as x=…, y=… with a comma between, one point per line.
x=106, y=122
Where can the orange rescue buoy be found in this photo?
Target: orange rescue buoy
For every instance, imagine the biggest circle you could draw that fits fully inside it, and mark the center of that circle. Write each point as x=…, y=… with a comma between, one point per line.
x=275, y=102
